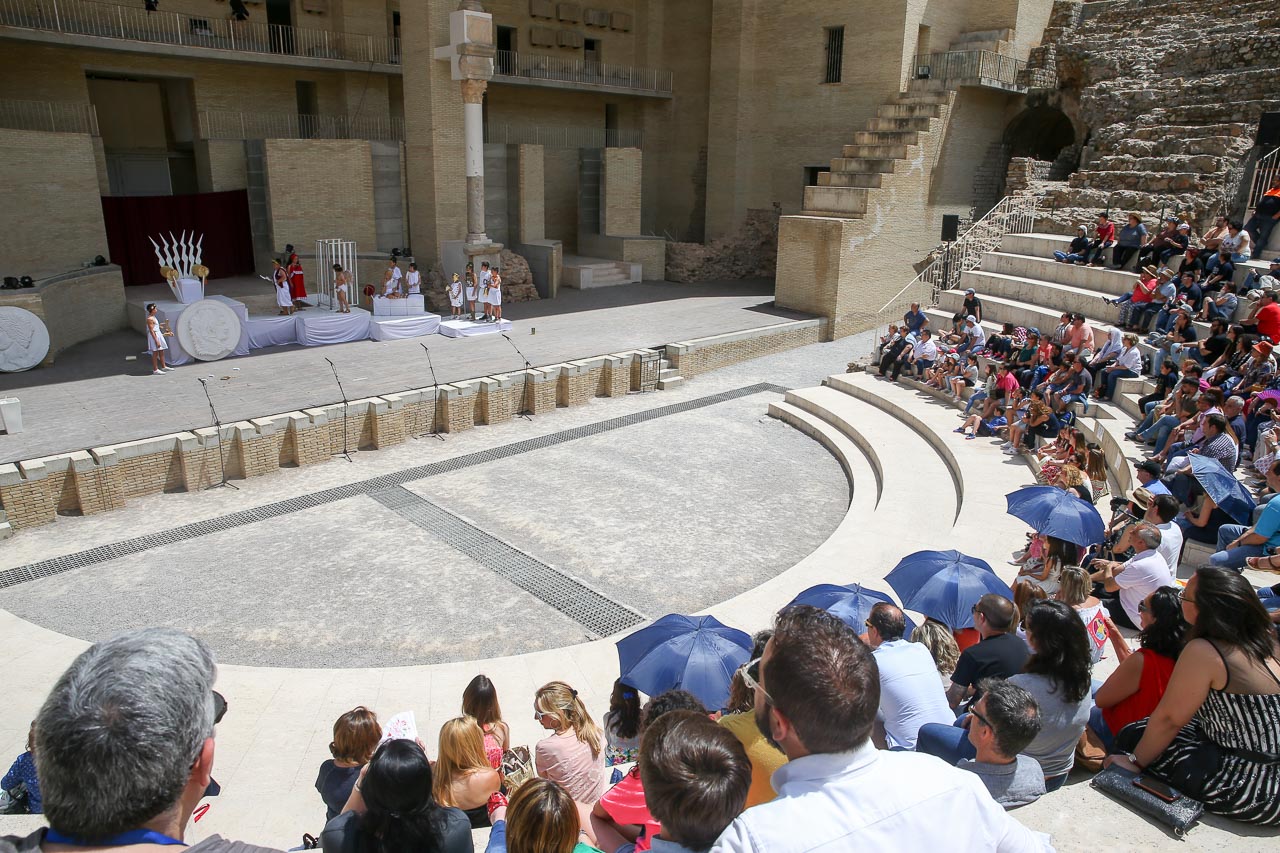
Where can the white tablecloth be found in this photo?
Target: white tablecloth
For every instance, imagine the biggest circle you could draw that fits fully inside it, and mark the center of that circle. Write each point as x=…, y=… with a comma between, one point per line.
x=170, y=311
x=395, y=328
x=467, y=329
x=319, y=328
x=272, y=331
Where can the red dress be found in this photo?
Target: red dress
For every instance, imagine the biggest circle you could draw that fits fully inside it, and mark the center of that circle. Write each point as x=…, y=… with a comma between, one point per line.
x=1156, y=669
x=297, y=284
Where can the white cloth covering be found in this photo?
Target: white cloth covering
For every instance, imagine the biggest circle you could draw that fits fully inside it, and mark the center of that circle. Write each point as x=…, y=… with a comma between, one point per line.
x=272, y=331
x=398, y=328
x=321, y=329
x=467, y=329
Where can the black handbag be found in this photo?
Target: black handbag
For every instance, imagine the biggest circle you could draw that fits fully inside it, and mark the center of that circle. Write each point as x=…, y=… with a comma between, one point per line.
x=1179, y=815
x=16, y=800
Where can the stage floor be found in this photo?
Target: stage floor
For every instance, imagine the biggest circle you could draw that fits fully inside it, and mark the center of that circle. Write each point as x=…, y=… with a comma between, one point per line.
x=94, y=396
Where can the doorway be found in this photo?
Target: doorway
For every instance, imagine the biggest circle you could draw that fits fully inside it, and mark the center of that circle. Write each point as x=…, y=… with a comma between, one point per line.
x=591, y=57
x=308, y=108
x=922, y=41
x=280, y=23
x=507, y=43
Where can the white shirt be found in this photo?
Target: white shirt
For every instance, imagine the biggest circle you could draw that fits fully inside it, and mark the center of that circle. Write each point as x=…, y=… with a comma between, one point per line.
x=979, y=335
x=1143, y=574
x=1170, y=546
x=926, y=350
x=1130, y=359
x=871, y=799
x=910, y=693
x=414, y=279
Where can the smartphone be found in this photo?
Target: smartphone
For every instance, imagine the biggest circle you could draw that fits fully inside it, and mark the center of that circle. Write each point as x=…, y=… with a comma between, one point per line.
x=1156, y=788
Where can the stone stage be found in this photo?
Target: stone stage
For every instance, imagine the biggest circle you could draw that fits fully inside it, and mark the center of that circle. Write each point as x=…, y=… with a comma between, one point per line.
x=94, y=395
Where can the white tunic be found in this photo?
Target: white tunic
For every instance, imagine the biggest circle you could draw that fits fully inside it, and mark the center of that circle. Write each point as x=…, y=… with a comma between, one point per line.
x=414, y=279
x=455, y=294
x=155, y=337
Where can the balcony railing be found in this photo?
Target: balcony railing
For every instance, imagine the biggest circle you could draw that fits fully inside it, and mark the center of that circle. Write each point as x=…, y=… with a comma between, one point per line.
x=134, y=23
x=982, y=67
x=533, y=69
x=49, y=116
x=562, y=137
x=225, y=124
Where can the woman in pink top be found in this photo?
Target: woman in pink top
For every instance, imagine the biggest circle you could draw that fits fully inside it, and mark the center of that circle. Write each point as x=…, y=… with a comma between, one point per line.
x=573, y=755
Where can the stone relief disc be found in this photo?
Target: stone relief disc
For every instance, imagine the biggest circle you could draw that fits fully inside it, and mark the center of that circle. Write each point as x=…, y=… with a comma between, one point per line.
x=209, y=330
x=24, y=339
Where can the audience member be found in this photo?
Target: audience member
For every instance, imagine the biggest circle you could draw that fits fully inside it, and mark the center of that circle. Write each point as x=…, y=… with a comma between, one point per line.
x=1003, y=723
x=23, y=773
x=621, y=724
x=355, y=736
x=573, y=754
x=741, y=722
x=942, y=647
x=816, y=699
x=1236, y=543
x=1123, y=585
x=1074, y=591
x=999, y=654
x=1076, y=250
x=463, y=777
x=910, y=694
x=541, y=818
x=480, y=701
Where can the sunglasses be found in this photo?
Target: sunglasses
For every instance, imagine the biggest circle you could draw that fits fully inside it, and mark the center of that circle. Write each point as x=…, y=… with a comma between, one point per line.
x=981, y=718
x=1182, y=596
x=750, y=680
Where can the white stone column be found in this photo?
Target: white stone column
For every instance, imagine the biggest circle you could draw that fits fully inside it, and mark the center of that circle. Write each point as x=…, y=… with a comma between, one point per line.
x=473, y=131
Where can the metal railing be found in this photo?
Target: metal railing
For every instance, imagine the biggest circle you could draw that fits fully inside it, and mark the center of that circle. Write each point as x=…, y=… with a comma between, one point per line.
x=966, y=65
x=104, y=20
x=1013, y=215
x=562, y=137
x=1265, y=171
x=526, y=67
x=226, y=124
x=49, y=116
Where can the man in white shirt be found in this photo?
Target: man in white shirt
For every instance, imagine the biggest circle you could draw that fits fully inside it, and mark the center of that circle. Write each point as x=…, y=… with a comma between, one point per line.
x=1123, y=586
x=1161, y=512
x=816, y=700
x=922, y=353
x=482, y=287
x=910, y=692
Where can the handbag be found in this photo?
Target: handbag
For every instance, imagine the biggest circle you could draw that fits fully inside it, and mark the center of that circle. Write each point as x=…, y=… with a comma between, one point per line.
x=517, y=768
x=16, y=800
x=1179, y=815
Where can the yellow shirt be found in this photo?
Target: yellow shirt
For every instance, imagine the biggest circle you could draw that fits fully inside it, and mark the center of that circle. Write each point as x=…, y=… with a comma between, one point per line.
x=765, y=758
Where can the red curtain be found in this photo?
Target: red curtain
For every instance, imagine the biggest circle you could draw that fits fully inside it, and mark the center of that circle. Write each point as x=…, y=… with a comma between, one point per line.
x=223, y=219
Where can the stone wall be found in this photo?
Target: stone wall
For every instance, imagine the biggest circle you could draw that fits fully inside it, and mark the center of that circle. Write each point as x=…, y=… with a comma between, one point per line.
x=319, y=187
x=750, y=252
x=1023, y=171
x=75, y=307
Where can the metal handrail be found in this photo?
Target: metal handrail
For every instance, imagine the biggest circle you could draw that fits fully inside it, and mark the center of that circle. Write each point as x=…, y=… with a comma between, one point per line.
x=526, y=66
x=106, y=20
x=227, y=124
x=1265, y=172
x=969, y=65
x=562, y=137
x=49, y=116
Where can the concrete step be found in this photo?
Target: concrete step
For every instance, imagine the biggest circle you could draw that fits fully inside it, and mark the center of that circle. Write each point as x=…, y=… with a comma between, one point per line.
x=857, y=151
x=1156, y=182
x=919, y=95
x=998, y=310
x=670, y=382
x=1049, y=296
x=668, y=372
x=908, y=110
x=858, y=470
x=869, y=180
x=919, y=123
x=1036, y=245
x=843, y=200
x=887, y=137
x=862, y=165
x=1196, y=164
x=1101, y=280
x=584, y=273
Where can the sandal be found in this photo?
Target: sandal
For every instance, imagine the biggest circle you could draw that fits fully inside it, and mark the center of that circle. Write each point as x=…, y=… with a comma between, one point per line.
x=1256, y=563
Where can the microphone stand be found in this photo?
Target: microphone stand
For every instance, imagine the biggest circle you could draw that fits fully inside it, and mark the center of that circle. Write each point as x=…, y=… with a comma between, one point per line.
x=435, y=405
x=346, y=454
x=217, y=425
x=525, y=395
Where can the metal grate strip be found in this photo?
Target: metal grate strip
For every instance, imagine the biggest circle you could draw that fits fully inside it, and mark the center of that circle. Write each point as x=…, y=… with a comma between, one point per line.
x=105, y=553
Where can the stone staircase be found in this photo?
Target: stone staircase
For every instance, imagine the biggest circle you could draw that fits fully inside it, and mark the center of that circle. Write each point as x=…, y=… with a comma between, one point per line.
x=581, y=272
x=668, y=376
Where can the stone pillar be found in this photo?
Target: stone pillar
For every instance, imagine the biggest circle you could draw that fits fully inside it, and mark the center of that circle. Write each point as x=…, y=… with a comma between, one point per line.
x=473, y=132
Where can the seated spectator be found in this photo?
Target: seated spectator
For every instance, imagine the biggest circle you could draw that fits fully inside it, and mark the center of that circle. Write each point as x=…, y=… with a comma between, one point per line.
x=1215, y=443
x=999, y=654
x=1221, y=306
x=1104, y=238
x=1002, y=724
x=1127, y=365
x=1253, y=281
x=817, y=698
x=1172, y=240
x=541, y=818
x=1264, y=319
x=1074, y=590
x=1132, y=692
x=573, y=754
x=915, y=320
x=1265, y=215
x=1202, y=521
x=125, y=744
x=1181, y=339
x=889, y=337
x=941, y=645
x=975, y=337
x=1001, y=346
x=1161, y=512
x=480, y=701
x=1216, y=731
x=1238, y=243
x=23, y=772
x=893, y=351
x=1165, y=300
x=620, y=819
x=741, y=722
x=1045, y=573
x=972, y=306
x=1107, y=353
x=391, y=808
x=910, y=694
x=622, y=725
x=1080, y=339
x=1076, y=251
x=1076, y=389
x=696, y=777
x=463, y=778
x=355, y=736
x=1122, y=586
x=1236, y=543
x=982, y=392
x=1040, y=422
x=1130, y=239
x=921, y=356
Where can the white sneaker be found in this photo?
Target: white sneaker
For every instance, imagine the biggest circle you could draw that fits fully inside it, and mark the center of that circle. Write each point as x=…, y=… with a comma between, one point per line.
x=157, y=372
x=167, y=367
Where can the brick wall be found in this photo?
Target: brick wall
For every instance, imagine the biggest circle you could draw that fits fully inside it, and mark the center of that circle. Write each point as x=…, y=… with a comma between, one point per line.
x=620, y=190
x=700, y=356
x=221, y=165
x=319, y=188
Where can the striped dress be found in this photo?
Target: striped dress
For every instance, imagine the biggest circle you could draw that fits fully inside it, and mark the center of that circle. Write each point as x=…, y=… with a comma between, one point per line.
x=1227, y=757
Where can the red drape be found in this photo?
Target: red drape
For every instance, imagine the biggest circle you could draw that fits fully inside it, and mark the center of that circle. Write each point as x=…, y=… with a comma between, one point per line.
x=223, y=219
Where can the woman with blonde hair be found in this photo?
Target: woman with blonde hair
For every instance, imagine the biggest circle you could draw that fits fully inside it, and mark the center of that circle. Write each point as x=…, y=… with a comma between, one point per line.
x=480, y=700
x=573, y=754
x=941, y=643
x=541, y=818
x=463, y=777
x=1076, y=589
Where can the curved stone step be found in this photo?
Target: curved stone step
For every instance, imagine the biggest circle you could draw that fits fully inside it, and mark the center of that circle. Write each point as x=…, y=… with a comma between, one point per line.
x=1097, y=279
x=1039, y=293
x=998, y=310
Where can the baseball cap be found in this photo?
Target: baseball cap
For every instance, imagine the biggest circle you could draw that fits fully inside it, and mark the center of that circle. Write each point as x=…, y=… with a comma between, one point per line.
x=1275, y=261
x=1184, y=227
x=971, y=319
x=970, y=291
x=1150, y=466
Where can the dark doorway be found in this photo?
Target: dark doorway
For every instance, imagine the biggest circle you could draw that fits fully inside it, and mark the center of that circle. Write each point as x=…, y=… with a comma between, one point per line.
x=508, y=38
x=308, y=108
x=611, y=125
x=591, y=55
x=1039, y=133
x=280, y=22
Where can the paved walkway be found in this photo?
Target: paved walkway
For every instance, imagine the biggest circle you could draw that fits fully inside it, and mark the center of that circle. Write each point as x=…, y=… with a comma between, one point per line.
x=92, y=396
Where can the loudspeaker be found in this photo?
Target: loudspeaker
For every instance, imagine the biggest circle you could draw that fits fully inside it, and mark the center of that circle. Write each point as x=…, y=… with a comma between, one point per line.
x=950, y=227
x=1269, y=130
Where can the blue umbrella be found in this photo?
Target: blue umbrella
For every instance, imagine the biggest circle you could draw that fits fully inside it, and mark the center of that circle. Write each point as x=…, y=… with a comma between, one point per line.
x=1221, y=485
x=945, y=585
x=694, y=653
x=1055, y=512
x=851, y=604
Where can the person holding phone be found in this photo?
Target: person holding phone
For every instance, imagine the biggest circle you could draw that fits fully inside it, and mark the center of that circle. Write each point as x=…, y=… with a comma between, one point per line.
x=1215, y=735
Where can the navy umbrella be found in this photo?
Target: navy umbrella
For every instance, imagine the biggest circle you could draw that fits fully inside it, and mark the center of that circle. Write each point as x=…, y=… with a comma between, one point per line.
x=694, y=653
x=1221, y=485
x=945, y=585
x=1055, y=512
x=851, y=604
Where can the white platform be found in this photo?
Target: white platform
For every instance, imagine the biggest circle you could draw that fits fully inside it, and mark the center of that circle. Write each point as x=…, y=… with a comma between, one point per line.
x=170, y=311
x=409, y=306
x=272, y=331
x=322, y=328
x=468, y=329
x=398, y=328
x=583, y=273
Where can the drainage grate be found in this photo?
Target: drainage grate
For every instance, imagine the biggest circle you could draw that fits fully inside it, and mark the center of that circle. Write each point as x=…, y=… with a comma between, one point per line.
x=596, y=612
x=104, y=553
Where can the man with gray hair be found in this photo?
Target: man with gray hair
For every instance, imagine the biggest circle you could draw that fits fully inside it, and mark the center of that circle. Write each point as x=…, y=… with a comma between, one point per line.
x=124, y=746
x=1123, y=586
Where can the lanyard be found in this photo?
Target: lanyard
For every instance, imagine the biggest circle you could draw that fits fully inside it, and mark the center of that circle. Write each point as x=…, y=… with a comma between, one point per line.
x=133, y=836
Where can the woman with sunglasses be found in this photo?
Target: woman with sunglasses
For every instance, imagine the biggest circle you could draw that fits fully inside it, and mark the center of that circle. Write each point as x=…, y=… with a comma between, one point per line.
x=740, y=719
x=573, y=754
x=1215, y=735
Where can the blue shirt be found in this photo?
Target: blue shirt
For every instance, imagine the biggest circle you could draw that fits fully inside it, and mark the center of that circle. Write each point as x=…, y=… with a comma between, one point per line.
x=1269, y=524
x=1155, y=487
x=24, y=771
x=915, y=320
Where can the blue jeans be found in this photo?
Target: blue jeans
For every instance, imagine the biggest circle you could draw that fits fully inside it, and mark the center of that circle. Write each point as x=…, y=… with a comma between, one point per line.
x=1213, y=312
x=1113, y=377
x=1160, y=430
x=1235, y=557
x=1148, y=418
x=978, y=397
x=950, y=743
x=1067, y=257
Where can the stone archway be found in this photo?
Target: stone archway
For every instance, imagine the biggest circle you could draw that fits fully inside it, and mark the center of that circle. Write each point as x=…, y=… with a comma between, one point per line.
x=1040, y=132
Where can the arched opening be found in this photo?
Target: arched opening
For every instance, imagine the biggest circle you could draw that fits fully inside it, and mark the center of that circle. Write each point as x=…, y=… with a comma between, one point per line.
x=1040, y=133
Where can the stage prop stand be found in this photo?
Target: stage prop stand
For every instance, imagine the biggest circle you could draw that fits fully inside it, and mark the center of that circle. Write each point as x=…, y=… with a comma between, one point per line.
x=217, y=425
x=526, y=394
x=346, y=453
x=435, y=406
